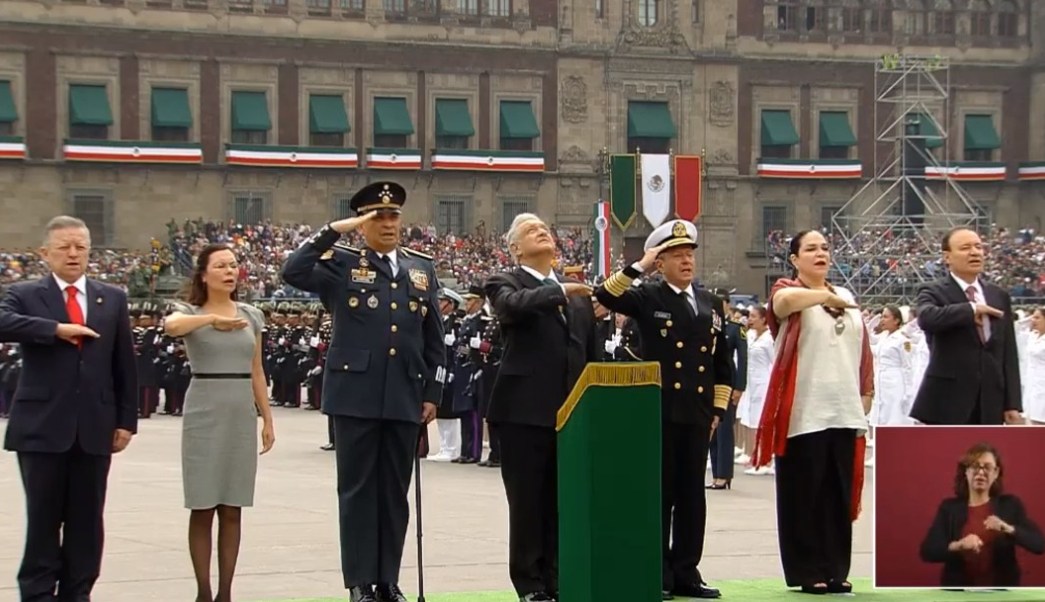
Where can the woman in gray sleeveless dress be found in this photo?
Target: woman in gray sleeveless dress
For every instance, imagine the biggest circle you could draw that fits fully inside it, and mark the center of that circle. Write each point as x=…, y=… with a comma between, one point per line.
x=219, y=430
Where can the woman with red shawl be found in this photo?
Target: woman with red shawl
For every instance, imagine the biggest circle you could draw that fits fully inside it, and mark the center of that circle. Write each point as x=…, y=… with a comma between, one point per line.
x=815, y=418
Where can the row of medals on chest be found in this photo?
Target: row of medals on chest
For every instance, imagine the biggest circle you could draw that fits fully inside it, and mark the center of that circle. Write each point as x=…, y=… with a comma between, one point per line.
x=364, y=275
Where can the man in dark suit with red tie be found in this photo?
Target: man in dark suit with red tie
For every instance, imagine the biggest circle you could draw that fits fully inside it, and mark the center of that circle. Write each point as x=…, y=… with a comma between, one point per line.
x=548, y=328
x=76, y=404
x=973, y=376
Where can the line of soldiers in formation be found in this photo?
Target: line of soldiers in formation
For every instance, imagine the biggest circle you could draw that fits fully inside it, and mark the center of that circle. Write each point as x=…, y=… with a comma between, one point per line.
x=295, y=341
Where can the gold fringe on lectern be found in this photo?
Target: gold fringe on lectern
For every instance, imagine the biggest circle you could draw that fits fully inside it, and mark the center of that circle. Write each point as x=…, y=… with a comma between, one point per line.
x=608, y=375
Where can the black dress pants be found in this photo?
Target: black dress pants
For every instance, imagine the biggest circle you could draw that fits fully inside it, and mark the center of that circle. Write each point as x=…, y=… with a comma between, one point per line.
x=375, y=461
x=684, y=507
x=530, y=473
x=814, y=482
x=65, y=500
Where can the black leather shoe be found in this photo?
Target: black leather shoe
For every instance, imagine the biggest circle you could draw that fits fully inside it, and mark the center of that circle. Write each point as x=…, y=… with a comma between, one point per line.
x=666, y=595
x=389, y=593
x=536, y=597
x=361, y=593
x=696, y=590
x=327, y=447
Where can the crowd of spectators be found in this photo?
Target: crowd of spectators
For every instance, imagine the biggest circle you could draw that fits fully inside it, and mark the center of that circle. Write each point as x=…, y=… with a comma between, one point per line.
x=263, y=247
x=884, y=262
x=888, y=263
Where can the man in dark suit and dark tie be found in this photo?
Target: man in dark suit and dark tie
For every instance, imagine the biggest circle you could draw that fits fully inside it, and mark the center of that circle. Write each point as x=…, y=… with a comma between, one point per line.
x=548, y=327
x=76, y=404
x=973, y=375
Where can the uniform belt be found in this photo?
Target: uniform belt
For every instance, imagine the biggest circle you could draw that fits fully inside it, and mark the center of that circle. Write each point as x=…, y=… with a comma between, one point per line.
x=222, y=375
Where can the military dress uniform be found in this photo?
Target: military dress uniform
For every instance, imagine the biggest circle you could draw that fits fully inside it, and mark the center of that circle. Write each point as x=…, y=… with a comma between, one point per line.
x=683, y=330
x=386, y=348
x=447, y=417
x=723, y=441
x=468, y=382
x=490, y=350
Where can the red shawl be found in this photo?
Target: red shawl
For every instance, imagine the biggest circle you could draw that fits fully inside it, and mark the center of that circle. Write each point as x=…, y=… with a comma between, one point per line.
x=780, y=397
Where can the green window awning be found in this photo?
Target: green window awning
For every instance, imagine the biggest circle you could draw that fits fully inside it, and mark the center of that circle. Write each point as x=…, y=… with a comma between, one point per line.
x=650, y=120
x=326, y=114
x=8, y=112
x=452, y=117
x=835, y=130
x=778, y=129
x=250, y=112
x=89, y=105
x=980, y=133
x=170, y=108
x=392, y=118
x=517, y=120
x=928, y=128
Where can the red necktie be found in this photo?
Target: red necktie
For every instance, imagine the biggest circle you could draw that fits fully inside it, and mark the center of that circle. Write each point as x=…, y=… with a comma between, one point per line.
x=970, y=294
x=72, y=307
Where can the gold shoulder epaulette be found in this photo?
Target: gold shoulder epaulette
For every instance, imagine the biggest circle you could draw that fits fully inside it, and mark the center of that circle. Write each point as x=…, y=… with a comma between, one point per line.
x=417, y=253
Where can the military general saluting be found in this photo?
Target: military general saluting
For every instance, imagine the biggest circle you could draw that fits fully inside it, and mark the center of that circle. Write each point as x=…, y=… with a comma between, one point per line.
x=683, y=328
x=379, y=383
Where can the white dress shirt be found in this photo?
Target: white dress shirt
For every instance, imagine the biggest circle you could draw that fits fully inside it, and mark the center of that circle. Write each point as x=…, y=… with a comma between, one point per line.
x=980, y=298
x=393, y=261
x=81, y=293
x=690, y=297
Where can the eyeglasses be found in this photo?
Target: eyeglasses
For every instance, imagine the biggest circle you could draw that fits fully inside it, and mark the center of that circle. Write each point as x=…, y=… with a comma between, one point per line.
x=985, y=468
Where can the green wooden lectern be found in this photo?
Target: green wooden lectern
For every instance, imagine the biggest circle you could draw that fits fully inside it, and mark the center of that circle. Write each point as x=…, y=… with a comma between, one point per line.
x=609, y=451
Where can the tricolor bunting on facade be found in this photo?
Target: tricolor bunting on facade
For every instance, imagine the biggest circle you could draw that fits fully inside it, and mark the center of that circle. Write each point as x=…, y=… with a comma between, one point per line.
x=622, y=189
x=689, y=186
x=656, y=188
x=601, y=240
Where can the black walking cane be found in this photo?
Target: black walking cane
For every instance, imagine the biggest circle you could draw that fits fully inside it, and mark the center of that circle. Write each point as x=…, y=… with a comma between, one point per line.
x=422, y=443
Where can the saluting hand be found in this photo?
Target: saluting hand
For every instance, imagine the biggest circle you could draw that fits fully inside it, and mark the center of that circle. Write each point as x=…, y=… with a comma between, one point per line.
x=344, y=226
x=650, y=257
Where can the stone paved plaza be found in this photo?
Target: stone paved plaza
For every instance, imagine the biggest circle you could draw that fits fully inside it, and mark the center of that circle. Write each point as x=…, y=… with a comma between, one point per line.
x=290, y=545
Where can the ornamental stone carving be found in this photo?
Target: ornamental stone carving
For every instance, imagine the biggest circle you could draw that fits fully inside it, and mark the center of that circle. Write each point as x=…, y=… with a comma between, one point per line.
x=574, y=96
x=722, y=108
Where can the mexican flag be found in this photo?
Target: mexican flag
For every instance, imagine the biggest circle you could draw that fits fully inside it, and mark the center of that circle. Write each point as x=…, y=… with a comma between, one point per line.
x=656, y=188
x=601, y=241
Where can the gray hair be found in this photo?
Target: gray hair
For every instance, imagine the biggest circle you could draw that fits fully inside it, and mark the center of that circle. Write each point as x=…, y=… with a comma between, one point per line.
x=64, y=222
x=513, y=232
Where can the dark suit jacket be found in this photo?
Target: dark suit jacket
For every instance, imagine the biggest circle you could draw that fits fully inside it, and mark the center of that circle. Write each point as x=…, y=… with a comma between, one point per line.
x=961, y=368
x=696, y=365
x=66, y=394
x=947, y=527
x=545, y=350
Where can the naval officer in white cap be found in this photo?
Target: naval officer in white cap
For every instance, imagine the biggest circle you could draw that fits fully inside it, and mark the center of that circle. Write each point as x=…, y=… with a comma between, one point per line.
x=682, y=327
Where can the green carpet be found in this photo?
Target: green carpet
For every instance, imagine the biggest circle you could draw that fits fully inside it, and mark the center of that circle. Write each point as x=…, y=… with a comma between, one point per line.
x=767, y=590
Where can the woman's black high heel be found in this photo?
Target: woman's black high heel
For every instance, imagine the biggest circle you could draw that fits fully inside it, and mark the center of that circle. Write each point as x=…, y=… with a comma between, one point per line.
x=727, y=485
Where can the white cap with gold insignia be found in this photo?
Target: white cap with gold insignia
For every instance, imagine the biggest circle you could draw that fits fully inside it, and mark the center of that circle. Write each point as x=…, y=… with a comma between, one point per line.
x=674, y=233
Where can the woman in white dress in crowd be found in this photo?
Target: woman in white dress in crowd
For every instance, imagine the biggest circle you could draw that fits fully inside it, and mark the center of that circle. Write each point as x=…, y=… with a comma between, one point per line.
x=920, y=354
x=1030, y=336
x=760, y=352
x=893, y=355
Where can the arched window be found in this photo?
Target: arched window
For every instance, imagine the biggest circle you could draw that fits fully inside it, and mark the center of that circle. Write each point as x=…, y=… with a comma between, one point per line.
x=880, y=16
x=1008, y=19
x=979, y=19
x=917, y=15
x=943, y=17
x=648, y=10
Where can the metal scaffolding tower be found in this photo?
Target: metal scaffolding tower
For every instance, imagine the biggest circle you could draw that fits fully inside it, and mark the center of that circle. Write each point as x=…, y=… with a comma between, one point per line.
x=886, y=238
